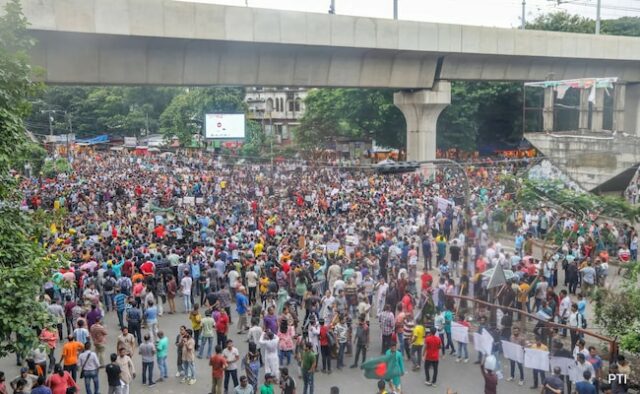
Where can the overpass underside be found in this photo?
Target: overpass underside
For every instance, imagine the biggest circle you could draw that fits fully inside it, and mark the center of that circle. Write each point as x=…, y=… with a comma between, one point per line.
x=84, y=58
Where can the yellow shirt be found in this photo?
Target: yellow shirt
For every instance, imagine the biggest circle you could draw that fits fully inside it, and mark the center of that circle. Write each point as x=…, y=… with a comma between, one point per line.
x=418, y=335
x=196, y=320
x=542, y=347
x=257, y=249
x=523, y=294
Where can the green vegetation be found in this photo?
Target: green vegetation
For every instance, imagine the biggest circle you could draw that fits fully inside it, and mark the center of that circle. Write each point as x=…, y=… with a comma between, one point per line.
x=24, y=265
x=53, y=167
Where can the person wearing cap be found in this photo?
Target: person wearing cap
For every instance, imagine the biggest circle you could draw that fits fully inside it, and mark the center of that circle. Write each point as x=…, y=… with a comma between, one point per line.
x=30, y=380
x=267, y=387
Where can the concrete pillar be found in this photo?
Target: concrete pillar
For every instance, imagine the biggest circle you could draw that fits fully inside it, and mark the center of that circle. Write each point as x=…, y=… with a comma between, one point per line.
x=421, y=110
x=583, y=115
x=547, y=110
x=632, y=109
x=619, y=93
x=597, y=115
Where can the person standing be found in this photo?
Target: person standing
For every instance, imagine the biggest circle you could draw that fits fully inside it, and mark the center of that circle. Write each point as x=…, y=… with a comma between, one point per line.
x=341, y=335
x=554, y=384
x=222, y=328
x=69, y=357
x=40, y=387
x=490, y=380
x=172, y=290
x=287, y=383
x=387, y=327
x=127, y=370
x=361, y=340
x=518, y=340
x=99, y=338
x=89, y=367
x=49, y=336
x=432, y=345
x=151, y=317
x=308, y=366
x=60, y=380
x=188, y=346
x=127, y=342
x=325, y=347
x=148, y=352
x=208, y=329
x=242, y=304
x=113, y=375
x=218, y=365
x=120, y=302
x=267, y=386
x=196, y=324
x=232, y=356
x=162, y=349
x=245, y=387
x=396, y=383
x=134, y=319
x=269, y=343
x=537, y=372
x=417, y=340
x=185, y=290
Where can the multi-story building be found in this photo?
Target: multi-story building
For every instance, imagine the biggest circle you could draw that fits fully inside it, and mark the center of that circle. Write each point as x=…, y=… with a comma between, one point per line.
x=278, y=110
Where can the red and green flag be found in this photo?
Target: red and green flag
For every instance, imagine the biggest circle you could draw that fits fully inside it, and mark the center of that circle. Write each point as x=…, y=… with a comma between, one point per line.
x=384, y=367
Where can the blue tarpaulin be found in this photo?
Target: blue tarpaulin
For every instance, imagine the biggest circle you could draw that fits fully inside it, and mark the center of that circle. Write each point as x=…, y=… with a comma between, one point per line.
x=101, y=139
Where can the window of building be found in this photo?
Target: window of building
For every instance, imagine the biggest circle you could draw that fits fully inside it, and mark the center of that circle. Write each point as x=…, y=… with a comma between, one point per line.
x=298, y=105
x=269, y=105
x=290, y=105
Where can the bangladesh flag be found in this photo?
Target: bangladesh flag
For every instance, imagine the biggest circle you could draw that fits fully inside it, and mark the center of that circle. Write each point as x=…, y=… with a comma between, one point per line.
x=384, y=367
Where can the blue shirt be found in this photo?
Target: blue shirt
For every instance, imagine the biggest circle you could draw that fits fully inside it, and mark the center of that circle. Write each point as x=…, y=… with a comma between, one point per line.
x=151, y=314
x=41, y=390
x=581, y=387
x=241, y=303
x=120, y=300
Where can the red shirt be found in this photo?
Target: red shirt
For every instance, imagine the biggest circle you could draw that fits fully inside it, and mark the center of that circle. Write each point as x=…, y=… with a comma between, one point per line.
x=222, y=325
x=432, y=345
x=217, y=363
x=147, y=268
x=324, y=339
x=427, y=280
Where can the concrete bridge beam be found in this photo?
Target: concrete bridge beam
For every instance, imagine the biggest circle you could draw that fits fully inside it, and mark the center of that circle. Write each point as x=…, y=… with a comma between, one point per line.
x=421, y=110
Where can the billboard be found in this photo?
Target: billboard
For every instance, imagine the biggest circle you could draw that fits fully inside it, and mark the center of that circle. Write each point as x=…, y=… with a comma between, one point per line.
x=224, y=126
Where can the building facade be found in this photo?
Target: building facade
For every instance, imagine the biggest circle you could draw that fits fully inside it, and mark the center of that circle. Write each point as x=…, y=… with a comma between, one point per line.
x=278, y=110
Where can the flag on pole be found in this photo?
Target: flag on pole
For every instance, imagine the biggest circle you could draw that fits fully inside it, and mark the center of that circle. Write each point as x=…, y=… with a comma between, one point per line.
x=497, y=278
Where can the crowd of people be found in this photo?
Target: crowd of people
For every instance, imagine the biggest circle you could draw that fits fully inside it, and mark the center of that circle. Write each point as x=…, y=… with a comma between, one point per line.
x=300, y=260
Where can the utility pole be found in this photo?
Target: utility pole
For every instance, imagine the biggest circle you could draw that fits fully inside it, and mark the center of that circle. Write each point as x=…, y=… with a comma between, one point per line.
x=332, y=7
x=524, y=6
x=598, y=6
x=395, y=9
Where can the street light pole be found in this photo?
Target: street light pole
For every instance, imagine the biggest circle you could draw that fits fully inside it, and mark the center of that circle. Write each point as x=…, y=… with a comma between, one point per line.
x=332, y=7
x=524, y=6
x=598, y=6
x=395, y=9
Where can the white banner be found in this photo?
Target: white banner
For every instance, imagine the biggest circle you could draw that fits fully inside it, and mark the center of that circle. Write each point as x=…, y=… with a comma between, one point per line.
x=483, y=342
x=459, y=333
x=513, y=351
x=536, y=359
x=130, y=142
x=563, y=362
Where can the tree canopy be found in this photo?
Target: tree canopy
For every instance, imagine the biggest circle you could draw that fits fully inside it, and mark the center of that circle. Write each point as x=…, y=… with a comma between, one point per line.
x=24, y=265
x=351, y=113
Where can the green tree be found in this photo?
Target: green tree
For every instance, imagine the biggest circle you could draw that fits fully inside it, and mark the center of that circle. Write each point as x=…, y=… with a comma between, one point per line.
x=563, y=21
x=90, y=111
x=480, y=114
x=351, y=113
x=184, y=116
x=24, y=265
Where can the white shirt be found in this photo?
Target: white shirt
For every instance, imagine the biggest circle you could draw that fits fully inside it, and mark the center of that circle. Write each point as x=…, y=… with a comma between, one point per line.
x=185, y=285
x=231, y=356
x=565, y=306
x=233, y=279
x=252, y=278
